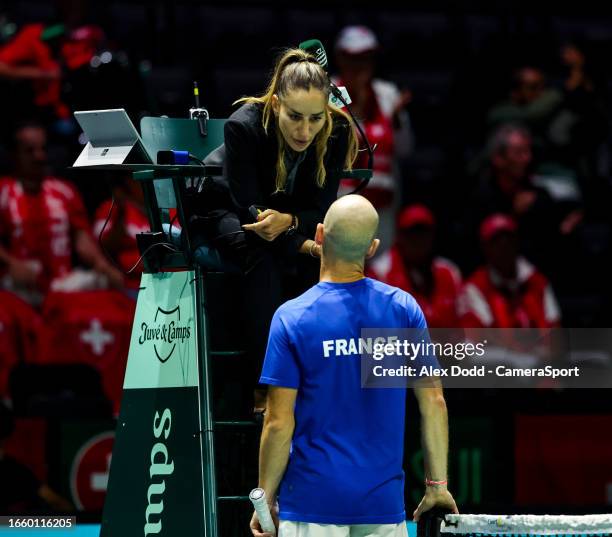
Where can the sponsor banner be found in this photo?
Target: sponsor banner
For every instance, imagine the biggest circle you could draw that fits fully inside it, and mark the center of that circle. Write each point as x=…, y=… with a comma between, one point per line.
x=479, y=358
x=155, y=485
x=163, y=344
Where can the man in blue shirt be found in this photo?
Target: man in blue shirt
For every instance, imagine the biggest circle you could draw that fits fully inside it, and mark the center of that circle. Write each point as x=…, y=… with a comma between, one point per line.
x=335, y=448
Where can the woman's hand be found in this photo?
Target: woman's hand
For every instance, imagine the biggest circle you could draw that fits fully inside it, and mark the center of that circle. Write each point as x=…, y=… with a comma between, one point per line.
x=270, y=224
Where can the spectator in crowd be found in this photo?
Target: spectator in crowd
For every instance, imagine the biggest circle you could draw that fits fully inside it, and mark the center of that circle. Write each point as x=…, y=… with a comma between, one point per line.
x=568, y=124
x=43, y=223
x=127, y=219
x=411, y=265
x=531, y=103
x=507, y=291
x=583, y=126
x=39, y=53
x=21, y=490
x=506, y=186
x=28, y=57
x=20, y=327
x=381, y=108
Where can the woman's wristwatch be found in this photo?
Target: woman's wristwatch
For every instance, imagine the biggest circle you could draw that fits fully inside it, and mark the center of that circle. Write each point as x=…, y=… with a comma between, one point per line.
x=294, y=224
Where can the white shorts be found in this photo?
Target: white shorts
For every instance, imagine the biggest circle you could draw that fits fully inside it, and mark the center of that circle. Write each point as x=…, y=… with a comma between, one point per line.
x=288, y=528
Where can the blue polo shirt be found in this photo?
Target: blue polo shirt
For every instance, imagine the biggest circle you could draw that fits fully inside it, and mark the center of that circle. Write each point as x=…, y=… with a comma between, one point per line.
x=345, y=465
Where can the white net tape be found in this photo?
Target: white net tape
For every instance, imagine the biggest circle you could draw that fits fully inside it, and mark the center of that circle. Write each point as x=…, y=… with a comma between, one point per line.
x=528, y=524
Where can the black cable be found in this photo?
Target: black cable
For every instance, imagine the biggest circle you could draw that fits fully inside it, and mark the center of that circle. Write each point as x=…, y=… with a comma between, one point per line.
x=172, y=220
x=166, y=245
x=193, y=157
x=338, y=94
x=107, y=254
x=197, y=185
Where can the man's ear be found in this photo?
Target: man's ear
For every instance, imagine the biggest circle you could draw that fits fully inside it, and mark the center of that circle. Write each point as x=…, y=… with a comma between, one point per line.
x=372, y=249
x=319, y=234
x=275, y=104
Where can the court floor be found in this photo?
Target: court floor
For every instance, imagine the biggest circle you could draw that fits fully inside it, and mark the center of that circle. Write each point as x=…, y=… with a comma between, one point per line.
x=93, y=530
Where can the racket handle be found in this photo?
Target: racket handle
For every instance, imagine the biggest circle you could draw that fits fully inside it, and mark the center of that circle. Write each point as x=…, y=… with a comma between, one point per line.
x=258, y=499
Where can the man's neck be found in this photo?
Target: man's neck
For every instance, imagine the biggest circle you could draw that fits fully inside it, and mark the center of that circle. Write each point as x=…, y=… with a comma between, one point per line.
x=340, y=272
x=504, y=275
x=421, y=278
x=415, y=264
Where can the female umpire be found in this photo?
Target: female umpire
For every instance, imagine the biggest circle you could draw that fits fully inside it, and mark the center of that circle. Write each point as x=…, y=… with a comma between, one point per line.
x=283, y=157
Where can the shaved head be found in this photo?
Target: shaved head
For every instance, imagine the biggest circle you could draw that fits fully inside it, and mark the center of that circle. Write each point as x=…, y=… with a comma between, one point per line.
x=350, y=226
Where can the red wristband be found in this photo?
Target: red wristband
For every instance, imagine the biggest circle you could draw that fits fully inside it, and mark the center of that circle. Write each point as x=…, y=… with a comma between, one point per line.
x=431, y=483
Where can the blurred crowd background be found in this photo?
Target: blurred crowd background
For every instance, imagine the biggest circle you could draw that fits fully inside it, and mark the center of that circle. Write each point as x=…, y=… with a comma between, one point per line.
x=492, y=177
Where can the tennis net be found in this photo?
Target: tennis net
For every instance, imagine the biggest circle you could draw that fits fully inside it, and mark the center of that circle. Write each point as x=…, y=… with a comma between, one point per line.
x=449, y=525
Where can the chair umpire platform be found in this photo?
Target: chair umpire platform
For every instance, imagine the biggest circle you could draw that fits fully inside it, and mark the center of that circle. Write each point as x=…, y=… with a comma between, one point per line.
x=163, y=473
x=162, y=477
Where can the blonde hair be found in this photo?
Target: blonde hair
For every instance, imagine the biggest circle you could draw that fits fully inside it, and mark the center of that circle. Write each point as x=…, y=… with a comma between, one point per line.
x=297, y=69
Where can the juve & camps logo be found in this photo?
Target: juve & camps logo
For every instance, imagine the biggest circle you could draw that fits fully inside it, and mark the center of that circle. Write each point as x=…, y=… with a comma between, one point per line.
x=165, y=332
